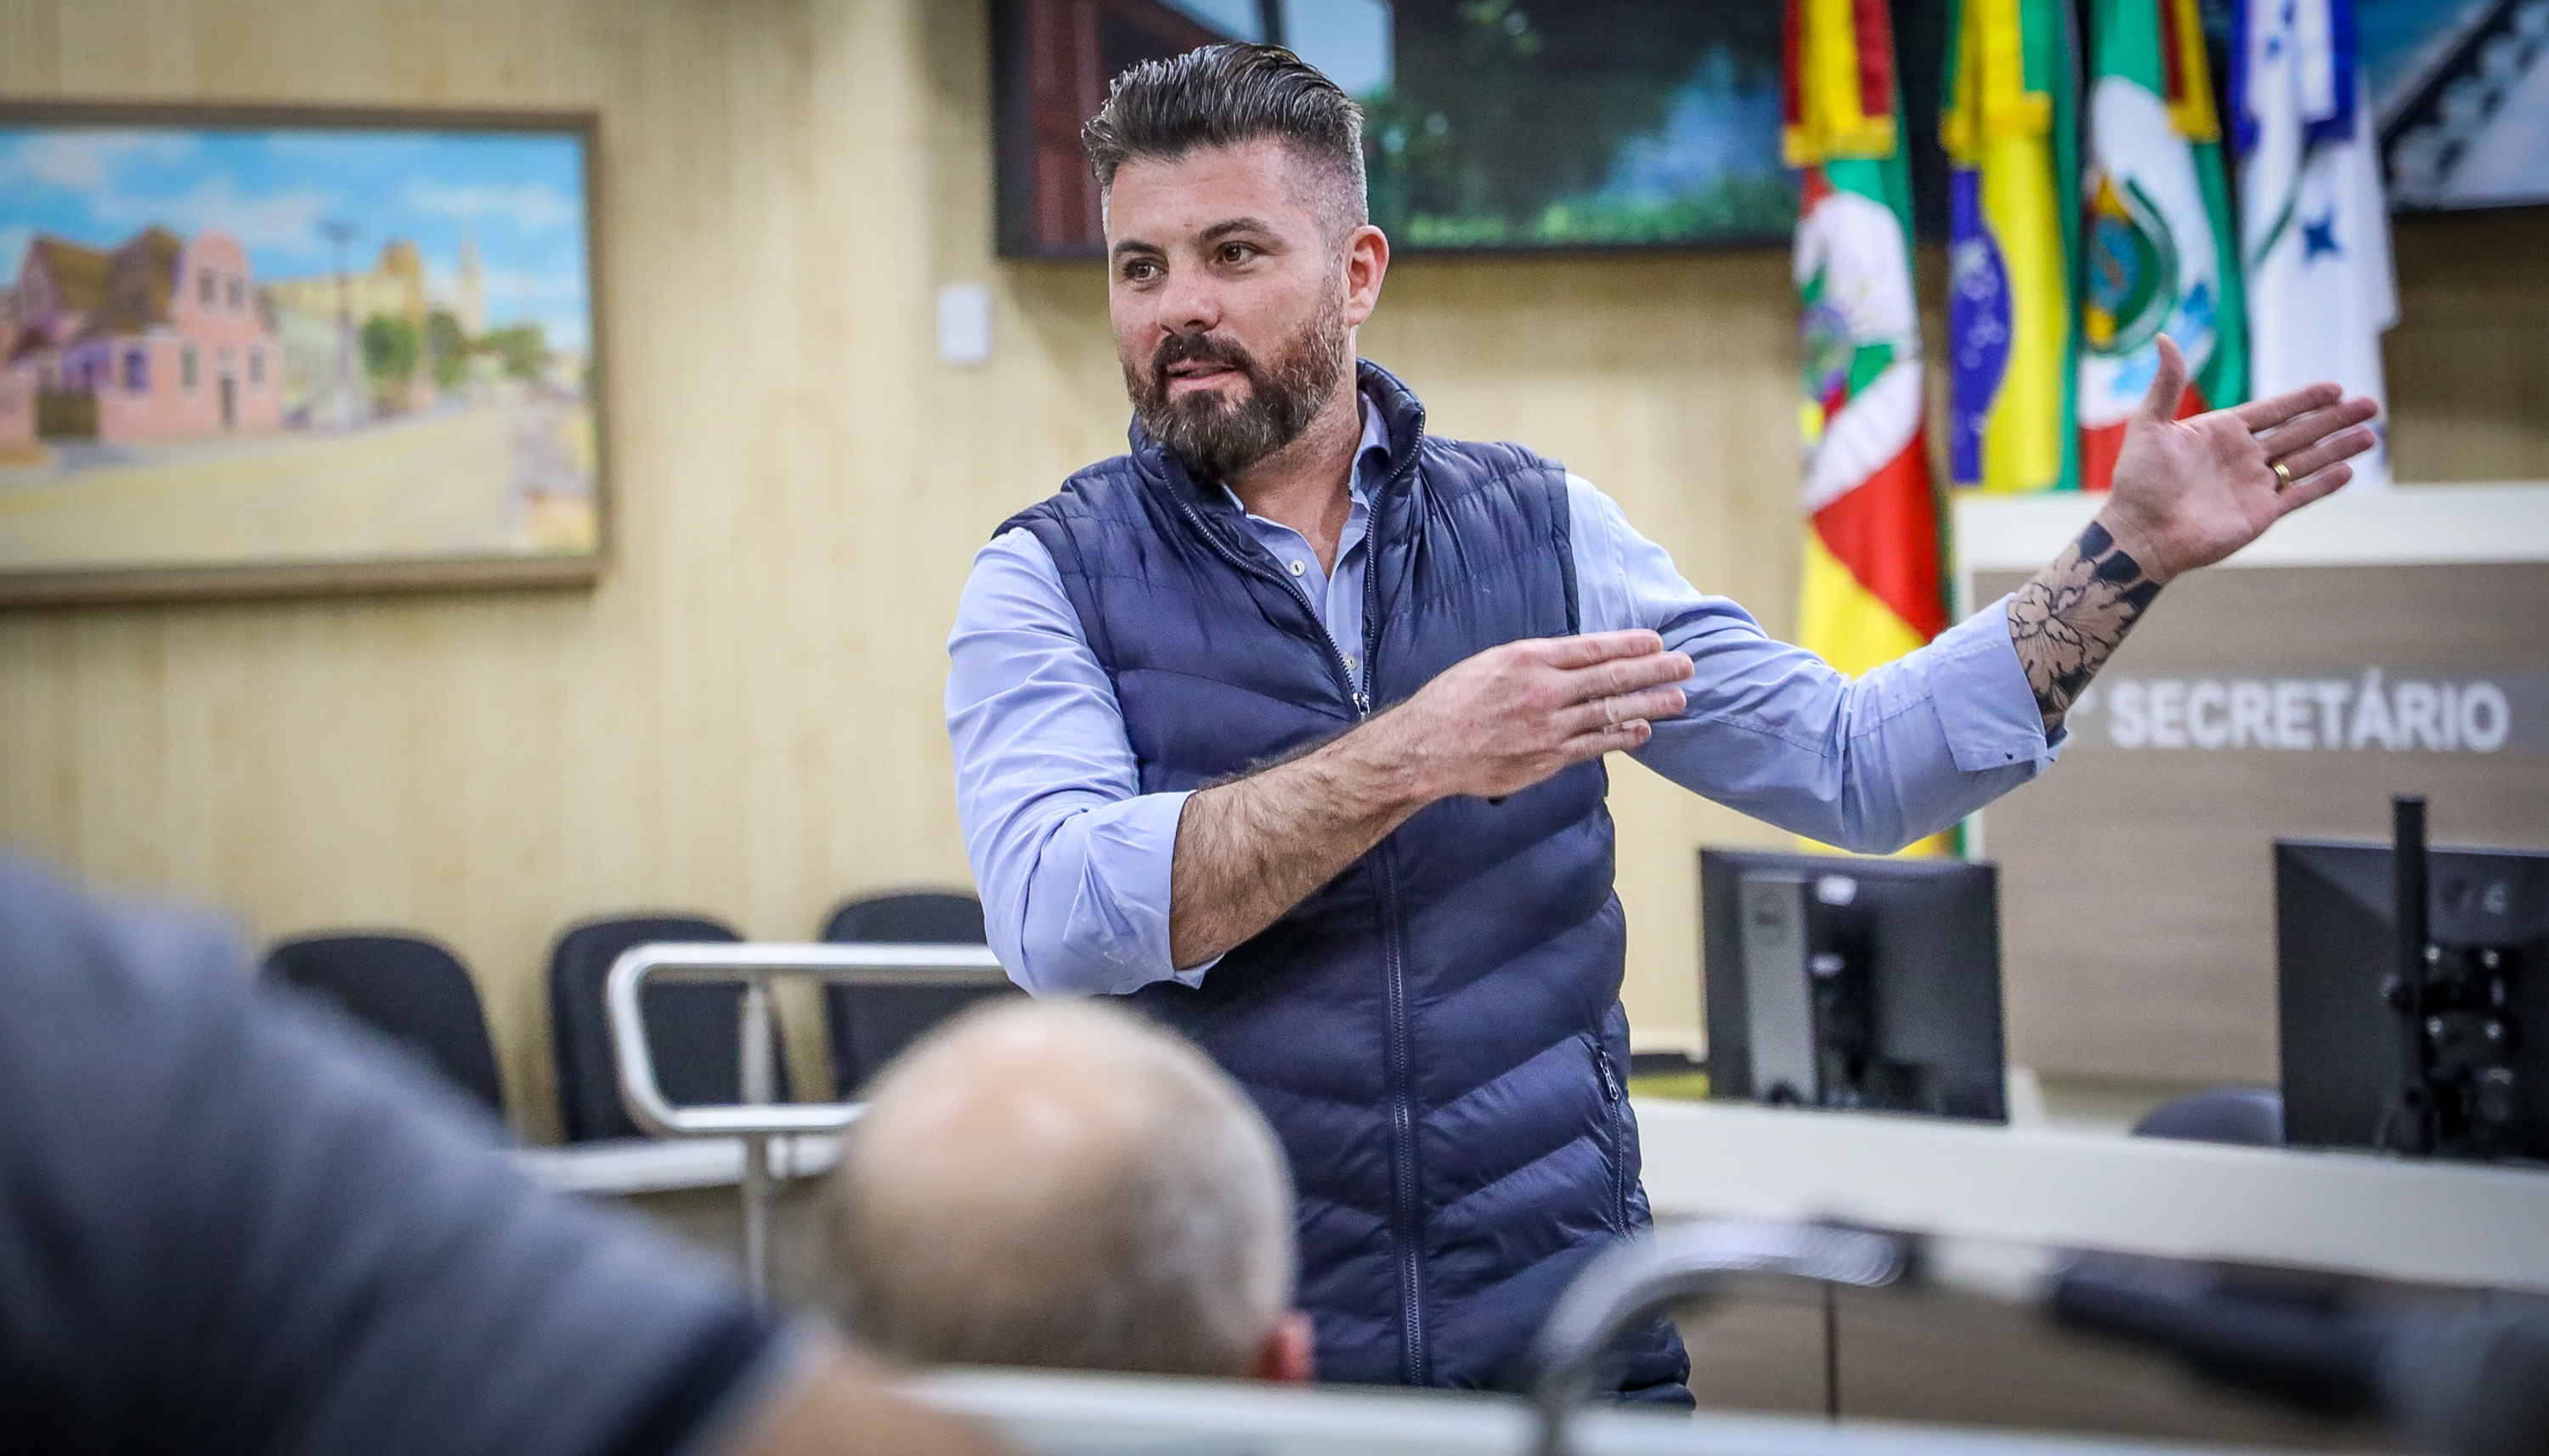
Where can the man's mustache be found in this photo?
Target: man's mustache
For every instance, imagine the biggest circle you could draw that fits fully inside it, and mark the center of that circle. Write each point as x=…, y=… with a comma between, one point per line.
x=1197, y=348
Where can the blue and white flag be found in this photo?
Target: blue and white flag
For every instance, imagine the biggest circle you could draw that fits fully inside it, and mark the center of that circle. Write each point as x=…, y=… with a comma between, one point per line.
x=2315, y=229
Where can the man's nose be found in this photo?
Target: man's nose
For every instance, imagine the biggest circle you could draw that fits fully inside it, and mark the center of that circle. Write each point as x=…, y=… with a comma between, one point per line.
x=1191, y=304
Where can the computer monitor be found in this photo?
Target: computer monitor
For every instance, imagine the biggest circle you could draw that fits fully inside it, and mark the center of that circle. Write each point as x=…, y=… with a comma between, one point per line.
x=1848, y=982
x=2425, y=1034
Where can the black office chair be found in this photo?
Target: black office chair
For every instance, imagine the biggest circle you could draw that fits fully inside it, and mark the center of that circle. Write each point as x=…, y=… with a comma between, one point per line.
x=866, y=1025
x=409, y=989
x=694, y=1031
x=2297, y=1337
x=2252, y=1117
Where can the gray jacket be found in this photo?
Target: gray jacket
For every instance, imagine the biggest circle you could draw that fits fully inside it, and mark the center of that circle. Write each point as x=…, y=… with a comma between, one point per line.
x=232, y=1222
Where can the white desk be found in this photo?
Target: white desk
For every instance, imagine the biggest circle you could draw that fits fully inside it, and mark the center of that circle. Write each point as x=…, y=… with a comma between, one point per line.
x=2389, y=1217
x=1060, y=1414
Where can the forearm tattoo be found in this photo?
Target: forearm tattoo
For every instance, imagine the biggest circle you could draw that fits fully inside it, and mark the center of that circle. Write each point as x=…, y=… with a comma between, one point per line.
x=2067, y=621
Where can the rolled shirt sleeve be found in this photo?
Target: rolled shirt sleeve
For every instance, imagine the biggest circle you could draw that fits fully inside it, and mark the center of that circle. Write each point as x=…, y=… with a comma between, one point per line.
x=1071, y=859
x=1774, y=731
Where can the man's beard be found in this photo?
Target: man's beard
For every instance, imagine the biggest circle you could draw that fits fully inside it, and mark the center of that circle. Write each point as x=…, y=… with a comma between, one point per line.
x=1214, y=438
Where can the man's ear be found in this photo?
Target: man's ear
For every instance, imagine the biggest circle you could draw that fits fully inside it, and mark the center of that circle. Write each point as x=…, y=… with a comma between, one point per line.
x=1366, y=263
x=1286, y=1356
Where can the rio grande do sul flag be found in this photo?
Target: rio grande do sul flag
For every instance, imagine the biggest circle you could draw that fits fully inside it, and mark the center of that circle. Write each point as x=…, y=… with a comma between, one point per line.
x=2012, y=153
x=2161, y=253
x=1871, y=583
x=1872, y=590
x=2315, y=227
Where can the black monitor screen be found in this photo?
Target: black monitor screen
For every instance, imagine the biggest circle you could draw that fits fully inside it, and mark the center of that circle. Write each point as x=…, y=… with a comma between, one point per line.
x=2460, y=92
x=2345, y=1042
x=1846, y=982
x=1490, y=124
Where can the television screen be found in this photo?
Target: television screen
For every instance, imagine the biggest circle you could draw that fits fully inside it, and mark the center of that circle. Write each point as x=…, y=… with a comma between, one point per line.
x=2460, y=92
x=1490, y=124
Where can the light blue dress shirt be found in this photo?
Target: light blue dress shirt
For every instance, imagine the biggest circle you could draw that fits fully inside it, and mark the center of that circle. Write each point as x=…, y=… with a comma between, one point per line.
x=1073, y=860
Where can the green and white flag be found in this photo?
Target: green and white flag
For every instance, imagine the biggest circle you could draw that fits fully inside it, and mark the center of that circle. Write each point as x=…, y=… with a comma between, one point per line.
x=2162, y=255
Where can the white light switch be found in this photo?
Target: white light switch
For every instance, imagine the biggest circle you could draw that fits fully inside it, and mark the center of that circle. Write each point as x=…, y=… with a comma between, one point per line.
x=964, y=326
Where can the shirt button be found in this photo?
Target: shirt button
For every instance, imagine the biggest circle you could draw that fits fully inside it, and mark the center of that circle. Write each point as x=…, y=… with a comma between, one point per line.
x=1298, y=568
x=1352, y=665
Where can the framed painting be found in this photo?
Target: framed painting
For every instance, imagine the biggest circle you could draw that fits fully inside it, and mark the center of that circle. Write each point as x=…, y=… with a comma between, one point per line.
x=269, y=351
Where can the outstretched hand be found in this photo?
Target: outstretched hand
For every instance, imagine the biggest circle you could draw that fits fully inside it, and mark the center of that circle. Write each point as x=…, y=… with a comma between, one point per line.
x=2190, y=491
x=2187, y=494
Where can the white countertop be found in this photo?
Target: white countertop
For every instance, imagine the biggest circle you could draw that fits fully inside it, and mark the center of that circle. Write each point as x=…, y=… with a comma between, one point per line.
x=2386, y=1217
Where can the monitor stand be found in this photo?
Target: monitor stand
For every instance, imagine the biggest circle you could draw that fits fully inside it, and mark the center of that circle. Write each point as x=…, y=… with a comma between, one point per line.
x=1779, y=1015
x=2456, y=1036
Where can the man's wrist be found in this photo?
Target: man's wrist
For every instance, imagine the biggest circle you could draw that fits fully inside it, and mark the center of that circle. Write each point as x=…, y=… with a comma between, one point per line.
x=2137, y=541
x=1377, y=768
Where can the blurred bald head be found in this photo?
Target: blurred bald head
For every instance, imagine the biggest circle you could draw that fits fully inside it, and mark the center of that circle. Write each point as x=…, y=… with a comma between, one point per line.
x=1058, y=1184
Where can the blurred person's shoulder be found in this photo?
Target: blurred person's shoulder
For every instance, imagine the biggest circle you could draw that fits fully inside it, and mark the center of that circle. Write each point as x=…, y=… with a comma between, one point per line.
x=77, y=968
x=188, y=1153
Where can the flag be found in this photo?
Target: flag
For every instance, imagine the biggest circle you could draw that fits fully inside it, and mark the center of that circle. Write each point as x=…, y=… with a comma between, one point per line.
x=2315, y=229
x=1871, y=579
x=2013, y=153
x=2161, y=253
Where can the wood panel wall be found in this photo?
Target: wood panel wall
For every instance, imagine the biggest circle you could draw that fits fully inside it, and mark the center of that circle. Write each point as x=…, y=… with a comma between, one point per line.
x=743, y=718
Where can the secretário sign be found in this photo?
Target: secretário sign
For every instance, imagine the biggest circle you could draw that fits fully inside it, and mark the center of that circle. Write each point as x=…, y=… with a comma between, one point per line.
x=2373, y=709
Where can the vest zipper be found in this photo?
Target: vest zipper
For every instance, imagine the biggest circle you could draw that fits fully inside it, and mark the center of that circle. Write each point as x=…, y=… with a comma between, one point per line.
x=1619, y=1150
x=1407, y=1211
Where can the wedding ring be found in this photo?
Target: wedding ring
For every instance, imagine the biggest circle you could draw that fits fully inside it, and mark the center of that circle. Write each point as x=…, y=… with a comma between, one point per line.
x=2282, y=476
x=1611, y=711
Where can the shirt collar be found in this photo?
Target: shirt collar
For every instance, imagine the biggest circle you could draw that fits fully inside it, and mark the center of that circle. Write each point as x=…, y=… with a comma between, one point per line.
x=1366, y=468
x=1372, y=453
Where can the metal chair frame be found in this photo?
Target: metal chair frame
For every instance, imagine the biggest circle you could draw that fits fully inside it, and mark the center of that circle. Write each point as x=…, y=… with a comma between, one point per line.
x=757, y=1119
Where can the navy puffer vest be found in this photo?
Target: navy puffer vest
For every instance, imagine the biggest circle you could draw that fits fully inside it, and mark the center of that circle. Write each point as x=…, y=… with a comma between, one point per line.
x=1435, y=1035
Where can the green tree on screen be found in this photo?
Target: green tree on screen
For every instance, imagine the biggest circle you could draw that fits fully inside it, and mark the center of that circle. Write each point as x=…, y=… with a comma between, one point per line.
x=1503, y=117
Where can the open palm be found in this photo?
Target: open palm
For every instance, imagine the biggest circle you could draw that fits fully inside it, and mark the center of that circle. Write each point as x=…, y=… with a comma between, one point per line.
x=2190, y=491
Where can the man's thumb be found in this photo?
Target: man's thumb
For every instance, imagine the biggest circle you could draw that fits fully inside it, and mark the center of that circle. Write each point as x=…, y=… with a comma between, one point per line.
x=2168, y=386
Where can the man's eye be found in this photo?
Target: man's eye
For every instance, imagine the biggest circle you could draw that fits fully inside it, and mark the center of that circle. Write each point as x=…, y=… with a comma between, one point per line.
x=1237, y=252
x=1140, y=270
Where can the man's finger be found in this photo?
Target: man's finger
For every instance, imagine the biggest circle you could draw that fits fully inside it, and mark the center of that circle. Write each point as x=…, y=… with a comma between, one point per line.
x=1649, y=705
x=2267, y=414
x=2316, y=486
x=1624, y=676
x=2343, y=445
x=2168, y=386
x=2310, y=426
x=1631, y=734
x=1588, y=648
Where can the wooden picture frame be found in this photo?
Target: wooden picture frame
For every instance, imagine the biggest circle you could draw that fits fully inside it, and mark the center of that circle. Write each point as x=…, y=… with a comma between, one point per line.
x=277, y=350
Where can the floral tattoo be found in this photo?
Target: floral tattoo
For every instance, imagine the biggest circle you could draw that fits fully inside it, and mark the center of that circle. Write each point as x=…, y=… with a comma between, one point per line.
x=2067, y=621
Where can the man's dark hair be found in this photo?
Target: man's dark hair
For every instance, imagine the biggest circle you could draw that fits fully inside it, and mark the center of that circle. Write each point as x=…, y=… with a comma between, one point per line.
x=1222, y=96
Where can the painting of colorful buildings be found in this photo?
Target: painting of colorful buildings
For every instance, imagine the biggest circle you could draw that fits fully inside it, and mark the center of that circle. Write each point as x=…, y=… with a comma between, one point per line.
x=249, y=347
x=158, y=338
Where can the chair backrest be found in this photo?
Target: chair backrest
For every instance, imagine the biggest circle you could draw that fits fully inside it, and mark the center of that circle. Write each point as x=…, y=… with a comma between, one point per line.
x=409, y=989
x=694, y=1031
x=2252, y=1117
x=865, y=1026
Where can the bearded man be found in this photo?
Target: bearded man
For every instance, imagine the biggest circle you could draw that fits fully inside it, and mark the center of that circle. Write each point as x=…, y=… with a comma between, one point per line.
x=1286, y=725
